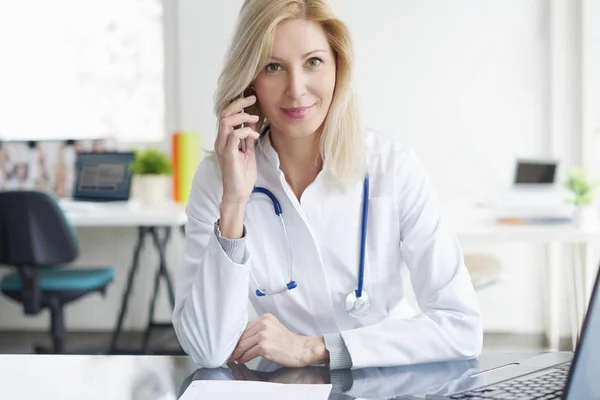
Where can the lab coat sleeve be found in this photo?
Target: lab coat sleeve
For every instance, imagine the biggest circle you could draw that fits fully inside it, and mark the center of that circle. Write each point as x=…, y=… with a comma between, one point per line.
x=449, y=325
x=211, y=302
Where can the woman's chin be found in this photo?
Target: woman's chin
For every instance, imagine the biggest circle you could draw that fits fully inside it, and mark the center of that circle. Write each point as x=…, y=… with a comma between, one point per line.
x=300, y=129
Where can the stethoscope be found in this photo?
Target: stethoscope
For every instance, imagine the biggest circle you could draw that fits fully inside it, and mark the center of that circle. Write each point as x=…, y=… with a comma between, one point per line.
x=358, y=303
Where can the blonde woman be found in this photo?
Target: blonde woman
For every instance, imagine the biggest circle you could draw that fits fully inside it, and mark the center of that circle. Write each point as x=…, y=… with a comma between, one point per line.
x=322, y=226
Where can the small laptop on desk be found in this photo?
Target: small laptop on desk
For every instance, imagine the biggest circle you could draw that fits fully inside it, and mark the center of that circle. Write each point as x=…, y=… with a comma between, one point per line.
x=551, y=375
x=534, y=196
x=103, y=176
x=100, y=177
x=535, y=174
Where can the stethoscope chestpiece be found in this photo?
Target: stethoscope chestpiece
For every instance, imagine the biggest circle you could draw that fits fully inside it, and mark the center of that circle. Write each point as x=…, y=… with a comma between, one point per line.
x=358, y=307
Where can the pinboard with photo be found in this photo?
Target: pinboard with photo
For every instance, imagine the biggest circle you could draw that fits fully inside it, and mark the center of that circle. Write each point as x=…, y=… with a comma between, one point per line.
x=44, y=165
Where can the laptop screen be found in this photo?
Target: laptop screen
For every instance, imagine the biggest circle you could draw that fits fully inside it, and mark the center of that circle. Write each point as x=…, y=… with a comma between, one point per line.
x=103, y=176
x=535, y=173
x=584, y=382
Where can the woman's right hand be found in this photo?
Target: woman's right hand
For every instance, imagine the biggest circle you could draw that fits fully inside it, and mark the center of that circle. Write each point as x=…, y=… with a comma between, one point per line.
x=238, y=169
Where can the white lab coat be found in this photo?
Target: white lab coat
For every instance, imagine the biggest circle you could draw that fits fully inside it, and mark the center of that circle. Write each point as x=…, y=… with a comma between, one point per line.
x=408, y=241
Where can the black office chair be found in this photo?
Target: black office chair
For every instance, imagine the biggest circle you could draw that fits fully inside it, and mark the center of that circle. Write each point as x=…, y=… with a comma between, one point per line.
x=36, y=240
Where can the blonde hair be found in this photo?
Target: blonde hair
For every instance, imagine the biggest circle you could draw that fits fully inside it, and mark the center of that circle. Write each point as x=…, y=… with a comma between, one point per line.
x=342, y=140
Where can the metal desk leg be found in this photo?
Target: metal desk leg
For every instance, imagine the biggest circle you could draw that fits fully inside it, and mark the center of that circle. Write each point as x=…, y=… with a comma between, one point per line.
x=552, y=300
x=580, y=279
x=592, y=268
x=589, y=270
x=162, y=272
x=579, y=269
x=162, y=250
x=125, y=300
x=574, y=292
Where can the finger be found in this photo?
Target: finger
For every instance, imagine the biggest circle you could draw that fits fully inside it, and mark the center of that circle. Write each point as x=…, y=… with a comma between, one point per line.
x=229, y=120
x=260, y=325
x=243, y=346
x=238, y=105
x=250, y=144
x=237, y=346
x=252, y=330
x=254, y=110
x=239, y=134
x=251, y=354
x=221, y=139
x=228, y=124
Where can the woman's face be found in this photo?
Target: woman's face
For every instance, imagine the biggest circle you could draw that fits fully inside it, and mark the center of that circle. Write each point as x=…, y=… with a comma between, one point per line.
x=295, y=88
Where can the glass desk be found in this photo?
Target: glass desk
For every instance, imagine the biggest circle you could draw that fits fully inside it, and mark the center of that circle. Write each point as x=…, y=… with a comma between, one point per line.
x=113, y=377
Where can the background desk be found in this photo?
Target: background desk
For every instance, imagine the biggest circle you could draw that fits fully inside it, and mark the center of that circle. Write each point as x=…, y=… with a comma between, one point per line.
x=154, y=222
x=66, y=377
x=479, y=226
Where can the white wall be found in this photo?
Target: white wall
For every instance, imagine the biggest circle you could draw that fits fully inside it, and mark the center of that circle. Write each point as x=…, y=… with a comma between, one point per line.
x=463, y=82
x=466, y=83
x=591, y=82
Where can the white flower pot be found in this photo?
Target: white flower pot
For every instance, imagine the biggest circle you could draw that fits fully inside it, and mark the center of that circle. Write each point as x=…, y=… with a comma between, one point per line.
x=585, y=217
x=153, y=190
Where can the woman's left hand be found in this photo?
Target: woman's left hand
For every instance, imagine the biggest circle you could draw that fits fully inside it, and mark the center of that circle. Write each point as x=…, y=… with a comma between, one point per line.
x=268, y=338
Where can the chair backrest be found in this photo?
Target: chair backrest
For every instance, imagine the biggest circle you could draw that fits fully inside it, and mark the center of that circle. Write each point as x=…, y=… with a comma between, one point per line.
x=34, y=231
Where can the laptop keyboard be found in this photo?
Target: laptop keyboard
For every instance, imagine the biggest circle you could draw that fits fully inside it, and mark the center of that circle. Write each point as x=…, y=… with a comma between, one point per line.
x=540, y=387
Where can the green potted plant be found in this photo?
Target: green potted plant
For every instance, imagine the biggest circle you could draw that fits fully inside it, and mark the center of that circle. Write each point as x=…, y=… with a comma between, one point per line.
x=582, y=188
x=153, y=172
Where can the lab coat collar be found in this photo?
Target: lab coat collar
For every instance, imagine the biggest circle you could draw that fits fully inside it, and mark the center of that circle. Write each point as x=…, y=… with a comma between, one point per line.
x=269, y=154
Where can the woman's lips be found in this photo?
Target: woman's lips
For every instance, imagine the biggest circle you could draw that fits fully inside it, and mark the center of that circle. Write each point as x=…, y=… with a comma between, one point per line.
x=297, y=112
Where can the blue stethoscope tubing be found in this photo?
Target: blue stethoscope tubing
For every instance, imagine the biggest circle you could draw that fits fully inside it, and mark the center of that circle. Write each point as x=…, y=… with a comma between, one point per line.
x=357, y=302
x=363, y=237
x=277, y=207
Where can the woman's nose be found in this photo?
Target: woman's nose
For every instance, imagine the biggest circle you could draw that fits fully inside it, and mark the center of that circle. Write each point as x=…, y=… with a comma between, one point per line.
x=296, y=87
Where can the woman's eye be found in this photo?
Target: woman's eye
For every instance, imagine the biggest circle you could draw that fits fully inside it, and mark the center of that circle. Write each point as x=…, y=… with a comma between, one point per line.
x=272, y=67
x=313, y=62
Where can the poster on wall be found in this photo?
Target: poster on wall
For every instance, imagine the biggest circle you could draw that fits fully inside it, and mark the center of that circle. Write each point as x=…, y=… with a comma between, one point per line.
x=44, y=165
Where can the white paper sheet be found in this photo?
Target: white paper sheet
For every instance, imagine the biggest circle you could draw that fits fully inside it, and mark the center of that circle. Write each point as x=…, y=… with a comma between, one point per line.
x=252, y=390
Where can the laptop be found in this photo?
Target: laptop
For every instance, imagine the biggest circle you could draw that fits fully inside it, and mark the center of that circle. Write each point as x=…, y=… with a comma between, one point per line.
x=100, y=177
x=104, y=176
x=535, y=195
x=559, y=375
x=535, y=174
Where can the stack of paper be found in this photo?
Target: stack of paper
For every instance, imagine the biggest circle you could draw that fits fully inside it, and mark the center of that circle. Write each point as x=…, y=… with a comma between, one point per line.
x=252, y=390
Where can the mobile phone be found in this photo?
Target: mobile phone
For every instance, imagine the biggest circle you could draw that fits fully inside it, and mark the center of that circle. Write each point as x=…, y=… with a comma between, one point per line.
x=242, y=145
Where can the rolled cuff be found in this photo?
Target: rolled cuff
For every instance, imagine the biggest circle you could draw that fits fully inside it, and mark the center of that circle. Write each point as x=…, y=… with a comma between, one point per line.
x=234, y=248
x=339, y=356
